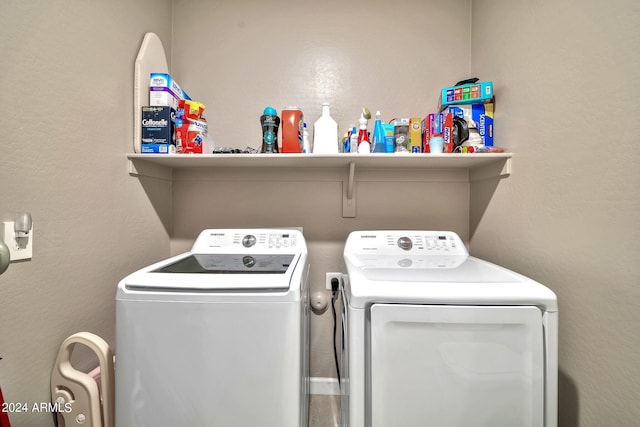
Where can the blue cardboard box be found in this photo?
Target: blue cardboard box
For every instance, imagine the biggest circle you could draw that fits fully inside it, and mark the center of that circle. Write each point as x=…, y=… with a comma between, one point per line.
x=158, y=127
x=471, y=93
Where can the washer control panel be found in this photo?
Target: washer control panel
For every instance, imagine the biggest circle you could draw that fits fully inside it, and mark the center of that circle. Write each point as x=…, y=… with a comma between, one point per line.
x=250, y=241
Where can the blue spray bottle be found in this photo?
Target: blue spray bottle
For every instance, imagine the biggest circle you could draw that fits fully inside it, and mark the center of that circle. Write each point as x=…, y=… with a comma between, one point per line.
x=378, y=135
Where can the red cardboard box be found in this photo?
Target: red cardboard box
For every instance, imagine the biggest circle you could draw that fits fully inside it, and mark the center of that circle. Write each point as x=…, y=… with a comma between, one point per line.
x=427, y=131
x=447, y=132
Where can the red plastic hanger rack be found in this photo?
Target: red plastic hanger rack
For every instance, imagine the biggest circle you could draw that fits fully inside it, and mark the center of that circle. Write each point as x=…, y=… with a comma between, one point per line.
x=4, y=416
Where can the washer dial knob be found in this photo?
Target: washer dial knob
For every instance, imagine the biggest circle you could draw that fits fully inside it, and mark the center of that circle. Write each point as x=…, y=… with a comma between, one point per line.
x=405, y=243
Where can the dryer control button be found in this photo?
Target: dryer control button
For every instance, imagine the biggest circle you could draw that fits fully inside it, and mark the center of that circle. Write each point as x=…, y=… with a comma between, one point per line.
x=248, y=240
x=405, y=243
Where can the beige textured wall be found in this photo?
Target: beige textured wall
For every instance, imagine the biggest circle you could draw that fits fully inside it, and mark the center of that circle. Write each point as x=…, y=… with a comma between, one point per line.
x=67, y=82
x=239, y=56
x=567, y=83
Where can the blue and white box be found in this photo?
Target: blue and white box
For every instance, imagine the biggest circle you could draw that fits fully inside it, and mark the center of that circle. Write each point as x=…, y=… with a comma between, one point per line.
x=158, y=127
x=165, y=91
x=477, y=116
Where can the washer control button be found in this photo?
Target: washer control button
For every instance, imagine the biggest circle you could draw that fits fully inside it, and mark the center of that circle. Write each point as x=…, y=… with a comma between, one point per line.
x=248, y=240
x=405, y=243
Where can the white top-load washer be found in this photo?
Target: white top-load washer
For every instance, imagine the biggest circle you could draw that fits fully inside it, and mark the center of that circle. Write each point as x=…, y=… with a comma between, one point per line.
x=435, y=337
x=217, y=336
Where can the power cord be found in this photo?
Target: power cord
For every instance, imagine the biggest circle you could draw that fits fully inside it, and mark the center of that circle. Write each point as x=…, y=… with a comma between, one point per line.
x=335, y=288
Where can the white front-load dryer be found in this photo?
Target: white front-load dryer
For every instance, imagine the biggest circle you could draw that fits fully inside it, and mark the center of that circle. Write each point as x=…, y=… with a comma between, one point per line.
x=435, y=337
x=217, y=336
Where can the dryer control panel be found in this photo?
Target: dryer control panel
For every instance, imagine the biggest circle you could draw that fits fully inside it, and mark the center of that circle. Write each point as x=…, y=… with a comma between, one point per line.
x=405, y=249
x=257, y=241
x=397, y=242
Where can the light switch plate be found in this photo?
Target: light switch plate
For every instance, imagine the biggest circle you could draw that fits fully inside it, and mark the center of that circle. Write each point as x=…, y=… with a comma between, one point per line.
x=20, y=248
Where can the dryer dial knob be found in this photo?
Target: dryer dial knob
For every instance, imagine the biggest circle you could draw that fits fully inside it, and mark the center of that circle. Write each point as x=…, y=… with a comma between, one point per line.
x=248, y=240
x=405, y=243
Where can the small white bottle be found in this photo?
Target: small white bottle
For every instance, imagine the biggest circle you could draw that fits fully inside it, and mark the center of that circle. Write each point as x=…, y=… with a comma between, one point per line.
x=325, y=133
x=353, y=141
x=306, y=143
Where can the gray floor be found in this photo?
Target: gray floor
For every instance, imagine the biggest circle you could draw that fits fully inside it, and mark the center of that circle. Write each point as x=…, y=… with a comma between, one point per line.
x=324, y=411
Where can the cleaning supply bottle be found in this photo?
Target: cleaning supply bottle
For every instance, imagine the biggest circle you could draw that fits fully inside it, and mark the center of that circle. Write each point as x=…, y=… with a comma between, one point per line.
x=378, y=135
x=345, y=142
x=325, y=133
x=270, y=123
x=364, y=146
x=389, y=143
x=353, y=140
x=292, y=130
x=306, y=143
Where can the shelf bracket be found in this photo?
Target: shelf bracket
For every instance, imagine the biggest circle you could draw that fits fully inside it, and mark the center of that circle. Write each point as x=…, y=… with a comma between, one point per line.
x=493, y=170
x=349, y=193
x=142, y=168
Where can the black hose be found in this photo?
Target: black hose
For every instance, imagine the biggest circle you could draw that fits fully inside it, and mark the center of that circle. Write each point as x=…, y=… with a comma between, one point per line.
x=335, y=329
